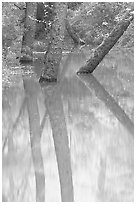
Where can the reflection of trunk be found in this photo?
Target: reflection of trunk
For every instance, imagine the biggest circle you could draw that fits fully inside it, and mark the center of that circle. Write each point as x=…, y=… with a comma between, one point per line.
x=90, y=81
x=55, y=111
x=30, y=87
x=35, y=133
x=100, y=52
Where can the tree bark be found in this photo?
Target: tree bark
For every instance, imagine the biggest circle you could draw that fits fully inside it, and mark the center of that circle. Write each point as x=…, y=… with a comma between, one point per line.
x=99, y=53
x=31, y=89
x=90, y=81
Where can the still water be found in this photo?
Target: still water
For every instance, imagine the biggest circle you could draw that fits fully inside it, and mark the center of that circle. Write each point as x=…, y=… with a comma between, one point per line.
x=101, y=148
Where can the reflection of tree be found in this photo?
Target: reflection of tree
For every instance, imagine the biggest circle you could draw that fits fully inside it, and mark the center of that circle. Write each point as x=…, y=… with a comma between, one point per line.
x=14, y=126
x=55, y=110
x=109, y=101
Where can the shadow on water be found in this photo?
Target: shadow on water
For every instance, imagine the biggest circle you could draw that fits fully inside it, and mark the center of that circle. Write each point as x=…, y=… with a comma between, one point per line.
x=101, y=149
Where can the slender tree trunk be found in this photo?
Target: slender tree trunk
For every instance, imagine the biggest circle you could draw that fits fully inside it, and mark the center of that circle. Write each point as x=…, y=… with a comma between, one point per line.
x=31, y=90
x=53, y=102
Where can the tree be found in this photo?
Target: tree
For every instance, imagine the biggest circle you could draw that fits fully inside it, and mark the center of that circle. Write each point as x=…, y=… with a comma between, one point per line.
x=96, y=58
x=53, y=100
x=30, y=87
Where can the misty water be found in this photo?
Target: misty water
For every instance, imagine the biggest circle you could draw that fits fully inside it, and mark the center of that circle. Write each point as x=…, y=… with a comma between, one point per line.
x=101, y=148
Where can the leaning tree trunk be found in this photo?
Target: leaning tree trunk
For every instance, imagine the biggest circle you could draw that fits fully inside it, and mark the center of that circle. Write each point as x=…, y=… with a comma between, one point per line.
x=30, y=87
x=99, y=53
x=53, y=101
x=89, y=80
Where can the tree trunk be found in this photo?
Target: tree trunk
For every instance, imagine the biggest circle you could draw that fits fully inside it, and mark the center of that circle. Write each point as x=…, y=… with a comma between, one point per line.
x=31, y=89
x=100, y=52
x=53, y=101
x=55, y=37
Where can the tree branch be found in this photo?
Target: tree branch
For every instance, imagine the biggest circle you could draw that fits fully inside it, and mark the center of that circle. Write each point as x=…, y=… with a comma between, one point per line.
x=77, y=40
x=20, y=8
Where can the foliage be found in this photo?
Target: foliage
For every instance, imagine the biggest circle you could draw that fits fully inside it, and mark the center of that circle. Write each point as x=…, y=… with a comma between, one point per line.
x=45, y=16
x=92, y=21
x=74, y=5
x=12, y=31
